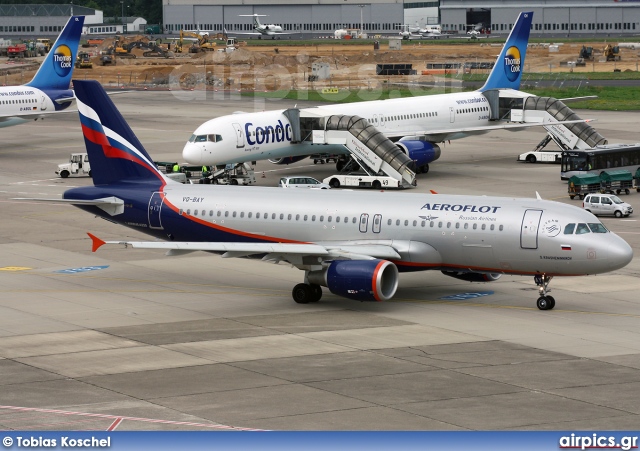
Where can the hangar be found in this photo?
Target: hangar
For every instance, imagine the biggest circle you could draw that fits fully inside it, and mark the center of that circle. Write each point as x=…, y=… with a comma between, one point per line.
x=322, y=17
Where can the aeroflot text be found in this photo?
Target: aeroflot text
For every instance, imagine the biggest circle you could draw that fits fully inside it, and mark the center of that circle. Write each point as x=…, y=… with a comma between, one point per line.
x=65, y=442
x=469, y=208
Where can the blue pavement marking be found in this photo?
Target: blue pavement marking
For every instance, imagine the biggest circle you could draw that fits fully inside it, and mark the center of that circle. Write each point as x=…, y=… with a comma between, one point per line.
x=83, y=269
x=465, y=296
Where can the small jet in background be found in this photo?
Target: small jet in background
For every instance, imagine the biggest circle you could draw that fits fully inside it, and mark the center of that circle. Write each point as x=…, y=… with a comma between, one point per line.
x=262, y=30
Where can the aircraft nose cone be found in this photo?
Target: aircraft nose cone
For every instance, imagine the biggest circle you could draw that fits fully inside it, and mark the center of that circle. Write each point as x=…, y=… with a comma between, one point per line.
x=192, y=154
x=620, y=253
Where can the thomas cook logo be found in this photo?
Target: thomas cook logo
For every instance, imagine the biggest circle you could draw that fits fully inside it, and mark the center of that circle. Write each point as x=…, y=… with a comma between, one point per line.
x=512, y=63
x=62, y=60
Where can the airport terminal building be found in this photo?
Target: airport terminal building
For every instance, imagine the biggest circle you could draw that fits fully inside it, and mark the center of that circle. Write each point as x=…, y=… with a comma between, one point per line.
x=318, y=17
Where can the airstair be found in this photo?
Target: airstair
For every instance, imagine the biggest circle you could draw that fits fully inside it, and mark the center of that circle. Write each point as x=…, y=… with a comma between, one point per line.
x=375, y=153
x=579, y=135
x=518, y=106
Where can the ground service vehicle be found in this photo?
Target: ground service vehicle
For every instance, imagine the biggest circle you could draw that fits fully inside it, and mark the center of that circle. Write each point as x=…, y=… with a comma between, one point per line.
x=78, y=164
x=362, y=180
x=606, y=204
x=600, y=158
x=548, y=156
x=299, y=181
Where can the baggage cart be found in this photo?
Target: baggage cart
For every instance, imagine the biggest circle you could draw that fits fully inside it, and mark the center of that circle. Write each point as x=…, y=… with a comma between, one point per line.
x=582, y=184
x=618, y=181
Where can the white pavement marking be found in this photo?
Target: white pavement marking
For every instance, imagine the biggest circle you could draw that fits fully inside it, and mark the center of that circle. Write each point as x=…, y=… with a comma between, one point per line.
x=121, y=418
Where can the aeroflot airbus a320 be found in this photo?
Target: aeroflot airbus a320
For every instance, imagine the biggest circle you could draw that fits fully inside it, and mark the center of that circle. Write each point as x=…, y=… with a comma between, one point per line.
x=417, y=124
x=353, y=243
x=49, y=91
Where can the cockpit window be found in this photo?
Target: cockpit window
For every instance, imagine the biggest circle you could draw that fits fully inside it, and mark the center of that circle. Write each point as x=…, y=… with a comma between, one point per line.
x=582, y=228
x=569, y=228
x=205, y=138
x=597, y=227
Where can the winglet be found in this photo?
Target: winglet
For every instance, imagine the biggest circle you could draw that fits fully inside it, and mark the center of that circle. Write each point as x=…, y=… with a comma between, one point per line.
x=97, y=243
x=432, y=191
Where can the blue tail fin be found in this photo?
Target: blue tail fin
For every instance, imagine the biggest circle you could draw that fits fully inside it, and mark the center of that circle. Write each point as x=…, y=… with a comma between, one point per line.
x=115, y=153
x=57, y=68
x=507, y=71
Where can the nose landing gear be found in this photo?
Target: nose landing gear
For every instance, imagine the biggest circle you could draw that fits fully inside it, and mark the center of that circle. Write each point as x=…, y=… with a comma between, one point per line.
x=544, y=302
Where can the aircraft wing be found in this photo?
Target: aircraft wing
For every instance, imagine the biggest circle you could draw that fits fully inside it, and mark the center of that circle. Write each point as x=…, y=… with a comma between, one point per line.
x=443, y=133
x=34, y=115
x=273, y=251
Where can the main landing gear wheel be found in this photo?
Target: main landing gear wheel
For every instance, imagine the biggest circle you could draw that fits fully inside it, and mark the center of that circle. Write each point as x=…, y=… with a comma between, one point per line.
x=304, y=293
x=544, y=302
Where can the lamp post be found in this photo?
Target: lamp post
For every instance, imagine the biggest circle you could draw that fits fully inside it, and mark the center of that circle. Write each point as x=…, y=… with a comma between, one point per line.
x=122, y=14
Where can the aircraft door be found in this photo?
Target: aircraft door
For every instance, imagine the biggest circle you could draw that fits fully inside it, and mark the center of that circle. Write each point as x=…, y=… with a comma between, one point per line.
x=364, y=222
x=43, y=104
x=239, y=135
x=155, y=207
x=452, y=114
x=377, y=222
x=529, y=231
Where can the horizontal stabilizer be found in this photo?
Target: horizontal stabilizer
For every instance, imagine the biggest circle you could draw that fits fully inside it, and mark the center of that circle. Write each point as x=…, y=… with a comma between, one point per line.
x=62, y=100
x=112, y=205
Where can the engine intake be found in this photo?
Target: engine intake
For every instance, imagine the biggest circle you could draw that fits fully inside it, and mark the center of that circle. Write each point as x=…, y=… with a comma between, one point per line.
x=360, y=280
x=421, y=152
x=473, y=276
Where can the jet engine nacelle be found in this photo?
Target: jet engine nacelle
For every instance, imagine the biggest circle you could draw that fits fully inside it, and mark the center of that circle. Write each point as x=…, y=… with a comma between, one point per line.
x=421, y=152
x=287, y=160
x=360, y=280
x=473, y=276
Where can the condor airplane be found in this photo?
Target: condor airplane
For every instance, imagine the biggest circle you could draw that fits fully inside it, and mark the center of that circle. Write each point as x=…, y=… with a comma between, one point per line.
x=353, y=243
x=417, y=124
x=49, y=91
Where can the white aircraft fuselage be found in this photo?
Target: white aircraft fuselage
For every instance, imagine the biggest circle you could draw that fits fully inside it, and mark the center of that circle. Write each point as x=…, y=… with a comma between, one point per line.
x=18, y=104
x=419, y=122
x=267, y=134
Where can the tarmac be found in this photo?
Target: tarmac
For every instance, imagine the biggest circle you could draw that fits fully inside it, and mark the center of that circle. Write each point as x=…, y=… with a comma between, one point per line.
x=135, y=340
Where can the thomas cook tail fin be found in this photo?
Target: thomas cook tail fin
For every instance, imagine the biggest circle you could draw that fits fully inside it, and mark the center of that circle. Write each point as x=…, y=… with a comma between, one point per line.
x=114, y=151
x=507, y=71
x=57, y=68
